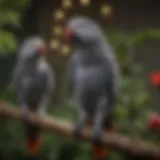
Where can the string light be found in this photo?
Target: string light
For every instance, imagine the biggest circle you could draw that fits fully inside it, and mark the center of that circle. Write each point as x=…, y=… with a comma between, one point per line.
x=65, y=50
x=67, y=4
x=85, y=2
x=106, y=10
x=57, y=31
x=59, y=15
x=54, y=44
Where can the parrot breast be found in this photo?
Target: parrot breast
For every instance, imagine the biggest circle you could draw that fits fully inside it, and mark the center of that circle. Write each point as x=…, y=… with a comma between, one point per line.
x=35, y=91
x=90, y=84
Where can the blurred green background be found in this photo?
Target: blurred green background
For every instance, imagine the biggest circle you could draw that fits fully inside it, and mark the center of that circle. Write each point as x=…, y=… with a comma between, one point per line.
x=133, y=31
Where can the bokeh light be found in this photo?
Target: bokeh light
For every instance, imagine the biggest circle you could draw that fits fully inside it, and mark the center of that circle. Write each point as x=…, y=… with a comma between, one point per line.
x=65, y=50
x=85, y=2
x=106, y=10
x=67, y=4
x=59, y=15
x=57, y=31
x=54, y=44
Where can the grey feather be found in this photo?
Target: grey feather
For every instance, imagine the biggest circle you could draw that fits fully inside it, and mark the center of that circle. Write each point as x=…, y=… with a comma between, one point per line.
x=33, y=77
x=93, y=74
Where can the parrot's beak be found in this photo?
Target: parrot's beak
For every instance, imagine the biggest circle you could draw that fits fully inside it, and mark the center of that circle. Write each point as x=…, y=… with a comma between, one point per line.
x=41, y=50
x=68, y=34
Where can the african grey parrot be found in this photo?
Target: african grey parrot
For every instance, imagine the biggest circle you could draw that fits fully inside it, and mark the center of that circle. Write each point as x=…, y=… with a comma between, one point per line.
x=34, y=82
x=93, y=77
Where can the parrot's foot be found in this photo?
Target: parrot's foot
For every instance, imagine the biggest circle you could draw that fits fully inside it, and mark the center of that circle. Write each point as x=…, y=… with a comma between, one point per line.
x=77, y=131
x=39, y=116
x=25, y=113
x=25, y=117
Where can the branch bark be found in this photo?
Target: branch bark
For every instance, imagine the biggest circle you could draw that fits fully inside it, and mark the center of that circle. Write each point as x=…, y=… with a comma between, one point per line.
x=135, y=147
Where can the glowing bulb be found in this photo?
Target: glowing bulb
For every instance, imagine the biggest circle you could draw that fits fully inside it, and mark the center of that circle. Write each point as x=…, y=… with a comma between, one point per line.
x=67, y=4
x=85, y=2
x=106, y=10
x=54, y=44
x=59, y=15
x=65, y=50
x=57, y=31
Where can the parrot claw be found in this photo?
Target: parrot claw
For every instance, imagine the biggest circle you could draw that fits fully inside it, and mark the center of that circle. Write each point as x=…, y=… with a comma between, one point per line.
x=39, y=116
x=77, y=131
x=25, y=114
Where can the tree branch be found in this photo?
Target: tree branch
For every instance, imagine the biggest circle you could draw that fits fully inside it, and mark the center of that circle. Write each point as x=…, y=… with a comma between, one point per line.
x=135, y=147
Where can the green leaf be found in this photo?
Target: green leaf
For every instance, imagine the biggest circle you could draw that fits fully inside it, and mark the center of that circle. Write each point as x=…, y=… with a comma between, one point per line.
x=10, y=14
x=7, y=42
x=141, y=37
x=9, y=17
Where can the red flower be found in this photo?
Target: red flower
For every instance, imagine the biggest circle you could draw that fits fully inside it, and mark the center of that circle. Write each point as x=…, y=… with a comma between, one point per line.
x=154, y=121
x=155, y=79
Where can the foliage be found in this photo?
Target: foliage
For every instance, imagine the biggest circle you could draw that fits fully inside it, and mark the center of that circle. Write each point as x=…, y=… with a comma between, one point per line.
x=10, y=16
x=124, y=44
x=130, y=114
x=133, y=105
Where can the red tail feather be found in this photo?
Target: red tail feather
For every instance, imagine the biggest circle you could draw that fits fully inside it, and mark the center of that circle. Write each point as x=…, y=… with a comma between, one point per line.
x=100, y=151
x=33, y=145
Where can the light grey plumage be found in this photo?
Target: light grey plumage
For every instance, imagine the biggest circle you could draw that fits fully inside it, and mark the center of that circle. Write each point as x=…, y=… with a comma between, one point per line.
x=33, y=79
x=93, y=75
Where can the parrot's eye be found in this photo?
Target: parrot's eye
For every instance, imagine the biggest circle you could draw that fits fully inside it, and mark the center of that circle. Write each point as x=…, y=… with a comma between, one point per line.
x=41, y=49
x=68, y=34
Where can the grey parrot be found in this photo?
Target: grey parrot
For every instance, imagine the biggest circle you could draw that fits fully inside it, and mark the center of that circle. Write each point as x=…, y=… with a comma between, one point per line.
x=93, y=78
x=34, y=82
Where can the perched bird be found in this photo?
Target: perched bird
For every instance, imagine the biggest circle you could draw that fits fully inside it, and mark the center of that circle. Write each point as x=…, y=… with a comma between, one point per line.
x=93, y=78
x=34, y=82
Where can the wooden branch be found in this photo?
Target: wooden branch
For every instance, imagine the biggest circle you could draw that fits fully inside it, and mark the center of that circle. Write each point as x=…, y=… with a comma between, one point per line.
x=135, y=147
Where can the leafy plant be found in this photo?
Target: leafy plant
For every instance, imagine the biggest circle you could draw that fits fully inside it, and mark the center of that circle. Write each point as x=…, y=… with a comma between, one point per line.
x=124, y=44
x=10, y=15
x=133, y=101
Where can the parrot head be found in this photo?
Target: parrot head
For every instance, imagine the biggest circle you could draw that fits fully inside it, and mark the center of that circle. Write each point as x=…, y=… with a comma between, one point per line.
x=32, y=49
x=82, y=31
